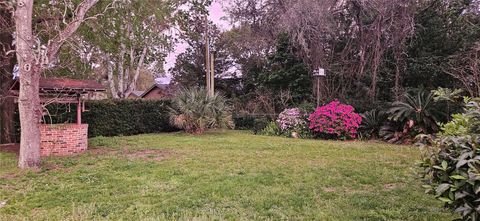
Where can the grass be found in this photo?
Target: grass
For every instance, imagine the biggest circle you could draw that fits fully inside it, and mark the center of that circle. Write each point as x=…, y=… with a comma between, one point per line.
x=220, y=175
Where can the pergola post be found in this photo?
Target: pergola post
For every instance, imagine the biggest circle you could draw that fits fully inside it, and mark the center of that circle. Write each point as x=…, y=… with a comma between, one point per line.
x=79, y=110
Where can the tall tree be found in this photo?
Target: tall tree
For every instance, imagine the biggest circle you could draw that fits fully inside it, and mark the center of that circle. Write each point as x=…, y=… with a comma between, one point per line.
x=129, y=46
x=189, y=69
x=33, y=58
x=285, y=71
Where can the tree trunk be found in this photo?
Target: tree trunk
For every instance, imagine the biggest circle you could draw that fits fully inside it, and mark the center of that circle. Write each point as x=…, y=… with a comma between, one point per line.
x=28, y=100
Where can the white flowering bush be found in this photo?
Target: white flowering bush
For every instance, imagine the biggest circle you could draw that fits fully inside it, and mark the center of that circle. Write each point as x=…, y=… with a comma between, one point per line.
x=291, y=120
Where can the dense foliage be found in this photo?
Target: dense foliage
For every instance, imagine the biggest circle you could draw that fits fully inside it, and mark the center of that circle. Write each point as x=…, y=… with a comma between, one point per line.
x=418, y=107
x=372, y=122
x=451, y=165
x=335, y=120
x=116, y=117
x=194, y=111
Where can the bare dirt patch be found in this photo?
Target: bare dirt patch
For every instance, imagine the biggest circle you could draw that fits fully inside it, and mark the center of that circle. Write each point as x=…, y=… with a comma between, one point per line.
x=8, y=176
x=330, y=189
x=392, y=186
x=101, y=151
x=152, y=155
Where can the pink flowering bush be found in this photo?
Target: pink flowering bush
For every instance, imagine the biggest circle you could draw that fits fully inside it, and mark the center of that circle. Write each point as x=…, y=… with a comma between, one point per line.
x=335, y=120
x=291, y=120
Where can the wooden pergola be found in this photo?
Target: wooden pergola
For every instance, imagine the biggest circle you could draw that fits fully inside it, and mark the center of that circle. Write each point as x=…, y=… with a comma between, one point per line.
x=65, y=91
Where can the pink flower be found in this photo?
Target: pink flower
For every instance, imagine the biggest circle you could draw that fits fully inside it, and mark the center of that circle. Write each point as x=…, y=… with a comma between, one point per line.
x=335, y=119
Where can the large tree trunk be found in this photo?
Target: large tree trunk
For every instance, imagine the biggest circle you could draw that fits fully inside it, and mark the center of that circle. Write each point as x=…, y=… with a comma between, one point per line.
x=7, y=105
x=30, y=114
x=28, y=100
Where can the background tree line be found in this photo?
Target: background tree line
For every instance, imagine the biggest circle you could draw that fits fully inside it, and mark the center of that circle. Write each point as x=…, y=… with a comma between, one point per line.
x=373, y=51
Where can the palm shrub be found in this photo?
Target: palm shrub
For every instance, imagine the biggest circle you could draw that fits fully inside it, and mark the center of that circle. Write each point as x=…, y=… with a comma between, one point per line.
x=451, y=165
x=418, y=108
x=372, y=122
x=194, y=111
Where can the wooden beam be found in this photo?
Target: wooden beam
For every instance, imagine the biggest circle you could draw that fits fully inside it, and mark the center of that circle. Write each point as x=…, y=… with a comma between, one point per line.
x=79, y=110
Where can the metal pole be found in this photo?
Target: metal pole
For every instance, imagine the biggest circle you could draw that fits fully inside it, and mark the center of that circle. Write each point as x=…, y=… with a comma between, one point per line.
x=212, y=76
x=207, y=56
x=318, y=91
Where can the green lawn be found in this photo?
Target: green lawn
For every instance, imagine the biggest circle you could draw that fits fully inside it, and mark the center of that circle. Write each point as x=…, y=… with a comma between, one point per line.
x=220, y=175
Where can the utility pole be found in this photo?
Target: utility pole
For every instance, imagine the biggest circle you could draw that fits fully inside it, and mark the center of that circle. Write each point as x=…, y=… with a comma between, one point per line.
x=207, y=57
x=212, y=76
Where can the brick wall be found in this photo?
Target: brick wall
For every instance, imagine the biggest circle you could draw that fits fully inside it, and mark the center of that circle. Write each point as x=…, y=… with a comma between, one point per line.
x=63, y=139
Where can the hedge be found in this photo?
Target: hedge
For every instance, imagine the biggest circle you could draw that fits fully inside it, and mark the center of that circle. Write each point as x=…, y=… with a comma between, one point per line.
x=116, y=117
x=250, y=122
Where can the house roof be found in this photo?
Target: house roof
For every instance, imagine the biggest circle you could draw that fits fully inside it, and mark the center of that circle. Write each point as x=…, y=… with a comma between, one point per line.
x=138, y=93
x=167, y=87
x=70, y=84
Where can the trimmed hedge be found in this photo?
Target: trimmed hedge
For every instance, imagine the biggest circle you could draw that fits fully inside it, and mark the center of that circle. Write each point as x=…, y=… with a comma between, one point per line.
x=117, y=117
x=250, y=122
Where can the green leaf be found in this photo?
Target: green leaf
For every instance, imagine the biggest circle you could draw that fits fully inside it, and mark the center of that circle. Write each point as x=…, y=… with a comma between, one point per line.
x=442, y=188
x=444, y=165
x=461, y=163
x=458, y=177
x=427, y=186
x=445, y=200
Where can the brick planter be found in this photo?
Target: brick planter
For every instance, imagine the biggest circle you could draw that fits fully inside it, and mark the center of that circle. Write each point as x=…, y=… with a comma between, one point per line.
x=63, y=139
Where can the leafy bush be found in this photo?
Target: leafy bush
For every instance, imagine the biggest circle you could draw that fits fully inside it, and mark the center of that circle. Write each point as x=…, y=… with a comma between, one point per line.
x=335, y=120
x=459, y=125
x=291, y=120
x=473, y=112
x=272, y=129
x=194, y=111
x=452, y=173
x=372, y=122
x=250, y=122
x=451, y=165
x=450, y=100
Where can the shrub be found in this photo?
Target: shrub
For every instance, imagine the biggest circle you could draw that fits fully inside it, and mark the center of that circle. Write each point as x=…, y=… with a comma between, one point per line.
x=127, y=117
x=452, y=172
x=335, y=120
x=291, y=120
x=372, y=122
x=194, y=111
x=272, y=129
x=115, y=117
x=260, y=124
x=451, y=165
x=459, y=125
x=250, y=122
x=419, y=108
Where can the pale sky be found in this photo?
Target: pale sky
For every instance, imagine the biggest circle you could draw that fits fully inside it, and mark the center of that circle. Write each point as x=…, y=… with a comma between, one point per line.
x=216, y=14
